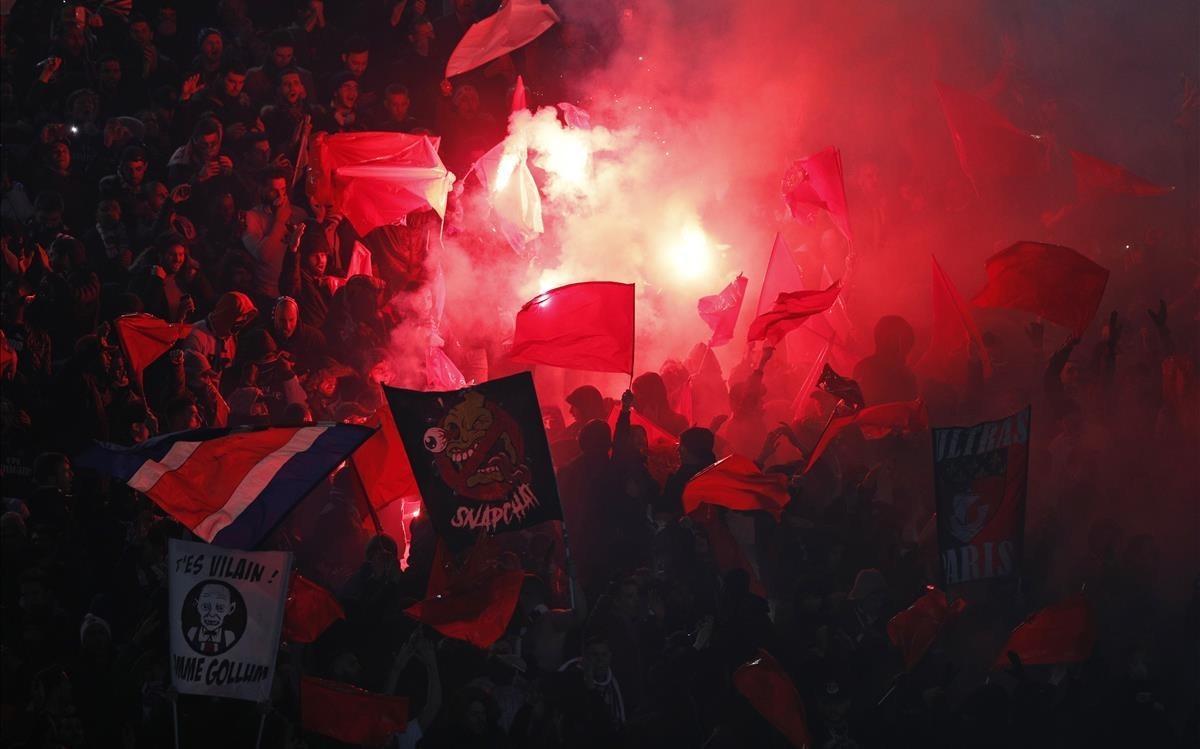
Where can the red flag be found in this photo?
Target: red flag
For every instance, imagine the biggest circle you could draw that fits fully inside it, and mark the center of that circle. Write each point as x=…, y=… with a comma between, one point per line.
x=953, y=335
x=1062, y=633
x=663, y=457
x=720, y=311
x=1054, y=282
x=519, y=103
x=767, y=687
x=987, y=144
x=585, y=326
x=1095, y=176
x=783, y=275
x=146, y=337
x=476, y=604
x=737, y=483
x=383, y=465
x=914, y=630
x=875, y=422
x=349, y=714
x=815, y=182
x=517, y=23
x=727, y=551
x=309, y=611
x=790, y=311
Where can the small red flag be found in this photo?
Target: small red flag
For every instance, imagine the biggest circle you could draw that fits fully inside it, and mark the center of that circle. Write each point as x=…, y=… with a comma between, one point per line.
x=914, y=630
x=518, y=98
x=309, y=610
x=875, y=422
x=1095, y=176
x=476, y=605
x=146, y=337
x=1054, y=282
x=1062, y=633
x=349, y=714
x=720, y=311
x=586, y=326
x=736, y=482
x=383, y=465
x=767, y=687
x=953, y=335
x=815, y=183
x=987, y=144
x=790, y=311
x=782, y=275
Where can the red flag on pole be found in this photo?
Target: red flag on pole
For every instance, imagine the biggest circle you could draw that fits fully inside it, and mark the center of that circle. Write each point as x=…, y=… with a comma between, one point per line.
x=586, y=326
x=309, y=610
x=146, y=337
x=815, y=183
x=875, y=422
x=1062, y=633
x=1095, y=176
x=382, y=464
x=914, y=630
x=953, y=335
x=767, y=687
x=782, y=276
x=476, y=604
x=790, y=311
x=987, y=144
x=799, y=405
x=720, y=311
x=1054, y=282
x=519, y=103
x=350, y=714
x=735, y=482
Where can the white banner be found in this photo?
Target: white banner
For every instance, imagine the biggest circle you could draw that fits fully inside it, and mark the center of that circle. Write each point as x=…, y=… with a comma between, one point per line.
x=226, y=613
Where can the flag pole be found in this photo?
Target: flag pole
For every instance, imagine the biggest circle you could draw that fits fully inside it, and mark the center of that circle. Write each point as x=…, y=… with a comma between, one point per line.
x=632, y=356
x=367, y=497
x=262, y=719
x=570, y=567
x=832, y=413
x=175, y=718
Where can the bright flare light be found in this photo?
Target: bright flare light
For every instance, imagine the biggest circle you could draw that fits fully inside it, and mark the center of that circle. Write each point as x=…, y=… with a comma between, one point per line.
x=566, y=156
x=691, y=255
x=504, y=171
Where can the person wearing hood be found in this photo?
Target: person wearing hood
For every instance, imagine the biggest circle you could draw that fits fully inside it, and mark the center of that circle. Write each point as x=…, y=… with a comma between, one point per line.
x=215, y=337
x=650, y=396
x=303, y=277
x=585, y=404
x=695, y=454
x=304, y=344
x=885, y=376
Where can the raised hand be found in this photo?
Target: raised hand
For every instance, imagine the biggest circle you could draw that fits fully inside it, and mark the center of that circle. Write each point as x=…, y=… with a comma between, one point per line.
x=191, y=87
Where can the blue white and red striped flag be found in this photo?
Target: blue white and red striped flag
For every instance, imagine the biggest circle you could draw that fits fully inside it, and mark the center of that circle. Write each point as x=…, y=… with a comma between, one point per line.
x=230, y=487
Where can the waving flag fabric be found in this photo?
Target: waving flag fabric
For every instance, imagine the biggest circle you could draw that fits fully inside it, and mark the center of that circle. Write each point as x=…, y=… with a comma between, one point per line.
x=875, y=422
x=474, y=602
x=1095, y=176
x=586, y=326
x=230, y=487
x=782, y=276
x=767, y=687
x=1062, y=633
x=519, y=98
x=736, y=483
x=146, y=337
x=309, y=610
x=1054, y=282
x=517, y=23
x=349, y=714
x=914, y=630
x=815, y=183
x=987, y=144
x=954, y=336
x=720, y=311
x=790, y=311
x=512, y=193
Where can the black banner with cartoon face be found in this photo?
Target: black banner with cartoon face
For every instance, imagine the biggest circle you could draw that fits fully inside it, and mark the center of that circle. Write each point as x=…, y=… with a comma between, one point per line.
x=480, y=457
x=979, y=475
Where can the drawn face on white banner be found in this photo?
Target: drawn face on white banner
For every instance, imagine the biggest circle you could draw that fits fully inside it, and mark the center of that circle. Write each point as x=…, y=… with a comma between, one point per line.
x=213, y=617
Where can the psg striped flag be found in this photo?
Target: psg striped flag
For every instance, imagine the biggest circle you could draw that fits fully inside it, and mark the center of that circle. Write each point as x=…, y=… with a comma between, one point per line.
x=230, y=487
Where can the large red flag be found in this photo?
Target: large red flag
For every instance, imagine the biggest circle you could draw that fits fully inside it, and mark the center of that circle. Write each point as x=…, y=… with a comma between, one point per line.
x=767, y=687
x=476, y=604
x=349, y=714
x=737, y=483
x=1062, y=633
x=815, y=182
x=782, y=276
x=515, y=24
x=309, y=610
x=1095, y=176
x=790, y=311
x=953, y=335
x=914, y=630
x=987, y=144
x=720, y=311
x=1054, y=282
x=585, y=326
x=146, y=337
x=875, y=422
x=382, y=464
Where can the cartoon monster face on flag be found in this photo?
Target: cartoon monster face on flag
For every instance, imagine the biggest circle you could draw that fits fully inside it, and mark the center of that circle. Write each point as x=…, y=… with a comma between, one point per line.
x=478, y=449
x=480, y=457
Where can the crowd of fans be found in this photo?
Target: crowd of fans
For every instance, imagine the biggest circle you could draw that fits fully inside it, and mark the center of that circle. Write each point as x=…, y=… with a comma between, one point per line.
x=149, y=165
